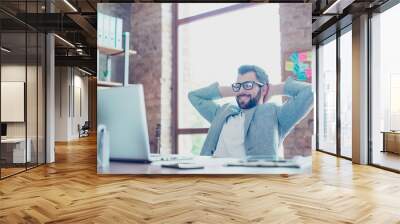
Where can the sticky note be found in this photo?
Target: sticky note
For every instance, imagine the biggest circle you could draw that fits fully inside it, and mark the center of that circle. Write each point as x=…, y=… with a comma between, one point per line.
x=296, y=69
x=294, y=57
x=303, y=56
x=301, y=76
x=309, y=56
x=308, y=73
x=303, y=66
x=289, y=66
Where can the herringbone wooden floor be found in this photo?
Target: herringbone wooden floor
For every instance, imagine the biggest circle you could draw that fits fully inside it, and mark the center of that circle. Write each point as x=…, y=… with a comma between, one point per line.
x=70, y=191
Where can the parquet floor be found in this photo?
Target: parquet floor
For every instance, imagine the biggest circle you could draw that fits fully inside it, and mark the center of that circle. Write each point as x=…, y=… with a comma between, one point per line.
x=70, y=191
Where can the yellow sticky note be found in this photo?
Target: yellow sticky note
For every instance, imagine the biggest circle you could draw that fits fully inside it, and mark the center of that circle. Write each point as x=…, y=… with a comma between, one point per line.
x=309, y=55
x=289, y=66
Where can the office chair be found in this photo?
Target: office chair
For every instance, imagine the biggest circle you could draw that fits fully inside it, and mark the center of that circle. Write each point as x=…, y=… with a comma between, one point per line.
x=84, y=130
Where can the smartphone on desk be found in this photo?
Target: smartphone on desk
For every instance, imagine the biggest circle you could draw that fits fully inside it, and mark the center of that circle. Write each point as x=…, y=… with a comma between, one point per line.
x=183, y=166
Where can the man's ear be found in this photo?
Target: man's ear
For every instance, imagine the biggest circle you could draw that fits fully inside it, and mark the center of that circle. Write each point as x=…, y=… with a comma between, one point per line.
x=265, y=91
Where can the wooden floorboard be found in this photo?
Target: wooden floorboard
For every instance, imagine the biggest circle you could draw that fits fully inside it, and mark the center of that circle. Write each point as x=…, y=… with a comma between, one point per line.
x=70, y=191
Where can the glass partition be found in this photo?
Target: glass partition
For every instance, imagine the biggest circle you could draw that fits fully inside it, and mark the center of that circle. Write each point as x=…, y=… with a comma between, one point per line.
x=385, y=89
x=14, y=153
x=327, y=96
x=22, y=88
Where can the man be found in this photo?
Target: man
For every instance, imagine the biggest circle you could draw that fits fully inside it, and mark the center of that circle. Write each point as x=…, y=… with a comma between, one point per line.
x=254, y=127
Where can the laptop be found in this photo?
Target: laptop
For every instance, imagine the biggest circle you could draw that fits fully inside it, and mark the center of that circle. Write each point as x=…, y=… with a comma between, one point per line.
x=122, y=110
x=3, y=131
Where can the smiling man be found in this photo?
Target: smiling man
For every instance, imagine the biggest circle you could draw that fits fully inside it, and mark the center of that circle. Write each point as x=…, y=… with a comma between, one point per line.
x=253, y=127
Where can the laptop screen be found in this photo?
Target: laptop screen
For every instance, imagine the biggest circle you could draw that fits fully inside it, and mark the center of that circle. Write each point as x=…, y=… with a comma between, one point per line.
x=3, y=129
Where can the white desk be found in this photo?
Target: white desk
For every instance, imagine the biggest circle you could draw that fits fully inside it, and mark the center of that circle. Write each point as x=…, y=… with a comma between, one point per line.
x=211, y=166
x=19, y=149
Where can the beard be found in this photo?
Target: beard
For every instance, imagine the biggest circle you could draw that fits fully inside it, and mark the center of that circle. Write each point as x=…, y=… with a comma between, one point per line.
x=252, y=102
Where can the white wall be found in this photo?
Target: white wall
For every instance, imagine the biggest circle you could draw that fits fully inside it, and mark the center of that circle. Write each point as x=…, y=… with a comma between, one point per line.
x=34, y=125
x=12, y=73
x=70, y=83
x=62, y=81
x=79, y=117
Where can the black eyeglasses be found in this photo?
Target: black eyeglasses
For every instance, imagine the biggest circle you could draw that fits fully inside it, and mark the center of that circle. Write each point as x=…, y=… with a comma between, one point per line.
x=248, y=85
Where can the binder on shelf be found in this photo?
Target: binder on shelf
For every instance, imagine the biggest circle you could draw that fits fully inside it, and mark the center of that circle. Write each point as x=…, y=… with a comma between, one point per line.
x=118, y=33
x=105, y=31
x=100, y=31
x=111, y=32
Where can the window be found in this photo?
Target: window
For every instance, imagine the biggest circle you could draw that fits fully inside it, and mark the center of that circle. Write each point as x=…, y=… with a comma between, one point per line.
x=346, y=94
x=199, y=64
x=191, y=143
x=327, y=96
x=385, y=84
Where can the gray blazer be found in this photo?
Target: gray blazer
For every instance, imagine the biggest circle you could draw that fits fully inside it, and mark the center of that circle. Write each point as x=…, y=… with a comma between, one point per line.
x=266, y=125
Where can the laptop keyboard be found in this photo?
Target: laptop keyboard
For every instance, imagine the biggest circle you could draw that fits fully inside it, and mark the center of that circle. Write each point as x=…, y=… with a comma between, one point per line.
x=169, y=157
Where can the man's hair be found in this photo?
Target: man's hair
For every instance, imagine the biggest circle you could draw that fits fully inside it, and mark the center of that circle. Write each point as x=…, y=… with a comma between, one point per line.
x=260, y=73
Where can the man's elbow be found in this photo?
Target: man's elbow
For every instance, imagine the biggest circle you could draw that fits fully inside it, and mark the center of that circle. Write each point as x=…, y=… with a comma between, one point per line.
x=309, y=96
x=191, y=97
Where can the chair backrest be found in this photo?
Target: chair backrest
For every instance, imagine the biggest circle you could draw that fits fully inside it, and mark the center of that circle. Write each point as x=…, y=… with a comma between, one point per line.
x=85, y=126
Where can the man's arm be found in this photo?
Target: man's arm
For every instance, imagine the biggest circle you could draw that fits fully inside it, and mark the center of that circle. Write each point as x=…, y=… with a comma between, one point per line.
x=203, y=99
x=300, y=102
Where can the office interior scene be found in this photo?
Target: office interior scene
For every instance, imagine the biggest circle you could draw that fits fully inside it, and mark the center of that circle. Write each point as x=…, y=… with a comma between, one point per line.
x=53, y=176
x=28, y=57
x=174, y=125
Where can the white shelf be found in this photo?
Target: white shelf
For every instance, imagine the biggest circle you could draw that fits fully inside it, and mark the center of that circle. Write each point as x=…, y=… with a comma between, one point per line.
x=109, y=52
x=113, y=51
x=109, y=84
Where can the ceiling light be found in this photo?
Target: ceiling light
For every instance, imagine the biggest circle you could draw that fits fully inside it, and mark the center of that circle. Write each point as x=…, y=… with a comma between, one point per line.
x=84, y=71
x=338, y=6
x=5, y=50
x=65, y=41
x=70, y=5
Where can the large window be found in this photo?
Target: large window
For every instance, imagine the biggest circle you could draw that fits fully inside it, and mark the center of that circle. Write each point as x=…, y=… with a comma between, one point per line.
x=346, y=93
x=335, y=73
x=211, y=48
x=385, y=88
x=327, y=96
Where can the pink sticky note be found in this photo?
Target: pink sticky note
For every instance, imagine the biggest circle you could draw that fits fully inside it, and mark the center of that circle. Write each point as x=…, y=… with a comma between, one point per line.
x=308, y=73
x=303, y=56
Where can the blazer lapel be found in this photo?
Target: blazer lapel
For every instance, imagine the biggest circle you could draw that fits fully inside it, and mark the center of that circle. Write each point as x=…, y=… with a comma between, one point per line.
x=248, y=118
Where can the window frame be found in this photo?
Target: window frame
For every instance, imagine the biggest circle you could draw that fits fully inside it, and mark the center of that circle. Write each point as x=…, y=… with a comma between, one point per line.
x=334, y=37
x=380, y=9
x=27, y=29
x=176, y=22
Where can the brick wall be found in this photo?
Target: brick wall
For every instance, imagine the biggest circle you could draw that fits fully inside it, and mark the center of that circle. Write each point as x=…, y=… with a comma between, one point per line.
x=151, y=38
x=166, y=78
x=295, y=20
